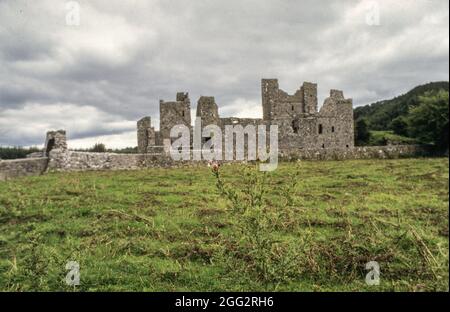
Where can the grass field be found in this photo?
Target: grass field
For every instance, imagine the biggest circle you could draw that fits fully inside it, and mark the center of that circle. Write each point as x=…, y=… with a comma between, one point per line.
x=171, y=230
x=378, y=138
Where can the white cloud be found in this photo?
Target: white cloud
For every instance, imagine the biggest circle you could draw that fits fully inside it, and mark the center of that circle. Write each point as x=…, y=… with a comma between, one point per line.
x=33, y=120
x=242, y=108
x=122, y=140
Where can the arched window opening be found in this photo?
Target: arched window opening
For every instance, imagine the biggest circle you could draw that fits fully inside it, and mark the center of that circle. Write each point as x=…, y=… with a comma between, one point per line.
x=320, y=129
x=332, y=129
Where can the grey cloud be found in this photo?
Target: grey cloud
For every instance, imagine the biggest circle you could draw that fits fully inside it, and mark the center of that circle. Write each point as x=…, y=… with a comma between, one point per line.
x=124, y=57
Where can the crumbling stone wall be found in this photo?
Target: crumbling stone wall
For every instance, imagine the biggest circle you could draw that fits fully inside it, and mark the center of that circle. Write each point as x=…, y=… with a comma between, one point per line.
x=309, y=95
x=82, y=161
x=55, y=140
x=360, y=152
x=174, y=113
x=300, y=124
x=146, y=135
x=10, y=169
x=335, y=120
x=85, y=161
x=208, y=110
x=277, y=104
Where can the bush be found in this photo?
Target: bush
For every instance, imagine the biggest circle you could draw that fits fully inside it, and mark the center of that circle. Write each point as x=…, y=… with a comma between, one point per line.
x=254, y=222
x=428, y=122
x=400, y=126
x=362, y=133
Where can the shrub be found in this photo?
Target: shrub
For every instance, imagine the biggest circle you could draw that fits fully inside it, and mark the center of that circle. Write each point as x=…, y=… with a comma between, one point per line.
x=362, y=133
x=254, y=222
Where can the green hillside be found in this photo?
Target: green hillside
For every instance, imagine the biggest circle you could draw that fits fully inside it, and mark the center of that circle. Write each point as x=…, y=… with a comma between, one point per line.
x=419, y=116
x=380, y=115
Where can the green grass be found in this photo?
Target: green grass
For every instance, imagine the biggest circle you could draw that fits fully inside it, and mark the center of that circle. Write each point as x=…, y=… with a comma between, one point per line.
x=163, y=229
x=382, y=137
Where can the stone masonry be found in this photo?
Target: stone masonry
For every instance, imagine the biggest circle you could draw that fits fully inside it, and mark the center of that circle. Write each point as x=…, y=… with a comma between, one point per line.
x=301, y=124
x=55, y=140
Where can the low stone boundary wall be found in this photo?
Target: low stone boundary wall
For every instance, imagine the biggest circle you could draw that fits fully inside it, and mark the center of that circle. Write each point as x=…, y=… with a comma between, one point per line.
x=60, y=160
x=359, y=152
x=81, y=161
x=22, y=167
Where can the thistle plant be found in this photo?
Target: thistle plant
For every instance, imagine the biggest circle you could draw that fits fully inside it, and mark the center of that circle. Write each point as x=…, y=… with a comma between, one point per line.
x=253, y=222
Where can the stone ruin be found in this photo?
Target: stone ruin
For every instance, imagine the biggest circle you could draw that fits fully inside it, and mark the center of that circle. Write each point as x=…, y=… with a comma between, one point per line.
x=55, y=140
x=304, y=132
x=301, y=124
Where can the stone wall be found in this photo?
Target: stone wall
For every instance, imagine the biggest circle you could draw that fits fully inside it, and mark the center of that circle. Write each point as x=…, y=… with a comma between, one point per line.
x=360, y=152
x=81, y=161
x=10, y=169
x=55, y=139
x=208, y=111
x=174, y=113
x=300, y=124
x=63, y=160
x=146, y=134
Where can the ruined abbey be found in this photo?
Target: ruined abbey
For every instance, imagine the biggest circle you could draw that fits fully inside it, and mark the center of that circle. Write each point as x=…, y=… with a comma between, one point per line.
x=301, y=124
x=304, y=132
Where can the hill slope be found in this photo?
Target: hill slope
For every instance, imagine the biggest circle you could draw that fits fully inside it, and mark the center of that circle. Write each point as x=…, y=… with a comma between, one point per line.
x=379, y=115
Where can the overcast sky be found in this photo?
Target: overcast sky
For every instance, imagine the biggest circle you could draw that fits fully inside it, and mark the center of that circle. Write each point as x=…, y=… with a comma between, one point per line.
x=96, y=79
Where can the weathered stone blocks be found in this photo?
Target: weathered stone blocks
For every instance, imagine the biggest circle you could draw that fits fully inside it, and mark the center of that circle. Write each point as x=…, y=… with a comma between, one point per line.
x=10, y=169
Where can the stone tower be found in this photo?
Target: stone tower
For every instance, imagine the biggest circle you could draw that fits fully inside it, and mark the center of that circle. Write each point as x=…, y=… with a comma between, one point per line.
x=269, y=91
x=146, y=135
x=173, y=114
x=55, y=140
x=208, y=110
x=309, y=94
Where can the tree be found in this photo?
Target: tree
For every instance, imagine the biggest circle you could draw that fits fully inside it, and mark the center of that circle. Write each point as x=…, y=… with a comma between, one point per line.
x=400, y=126
x=362, y=134
x=428, y=122
x=99, y=148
